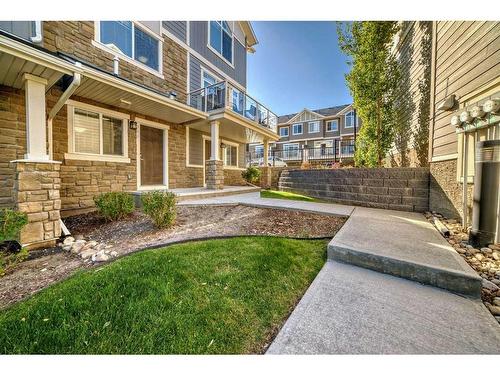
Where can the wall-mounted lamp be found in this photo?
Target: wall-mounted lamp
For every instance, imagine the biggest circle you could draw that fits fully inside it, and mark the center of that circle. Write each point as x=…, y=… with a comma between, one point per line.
x=223, y=145
x=132, y=124
x=172, y=95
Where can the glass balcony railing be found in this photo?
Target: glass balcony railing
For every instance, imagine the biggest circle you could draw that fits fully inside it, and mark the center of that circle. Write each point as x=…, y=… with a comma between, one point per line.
x=224, y=95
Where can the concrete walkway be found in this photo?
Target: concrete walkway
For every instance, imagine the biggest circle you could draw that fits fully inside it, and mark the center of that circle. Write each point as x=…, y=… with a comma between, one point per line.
x=254, y=200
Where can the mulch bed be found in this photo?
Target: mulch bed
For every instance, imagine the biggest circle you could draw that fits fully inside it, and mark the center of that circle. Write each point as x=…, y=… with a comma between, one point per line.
x=137, y=232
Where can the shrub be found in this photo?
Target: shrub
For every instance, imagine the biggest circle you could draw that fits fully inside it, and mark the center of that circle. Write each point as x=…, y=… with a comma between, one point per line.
x=11, y=223
x=8, y=261
x=160, y=207
x=115, y=205
x=251, y=174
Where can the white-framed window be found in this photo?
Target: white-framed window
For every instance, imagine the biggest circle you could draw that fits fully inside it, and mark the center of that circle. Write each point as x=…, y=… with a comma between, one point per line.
x=207, y=79
x=297, y=129
x=314, y=127
x=332, y=125
x=96, y=134
x=349, y=119
x=290, y=151
x=230, y=155
x=284, y=131
x=220, y=39
x=132, y=41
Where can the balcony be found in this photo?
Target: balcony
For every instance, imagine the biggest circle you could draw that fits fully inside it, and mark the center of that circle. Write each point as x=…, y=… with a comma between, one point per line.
x=224, y=96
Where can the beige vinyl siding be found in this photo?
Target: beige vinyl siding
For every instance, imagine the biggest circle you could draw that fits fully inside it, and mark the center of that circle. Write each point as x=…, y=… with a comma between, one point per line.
x=467, y=59
x=195, y=147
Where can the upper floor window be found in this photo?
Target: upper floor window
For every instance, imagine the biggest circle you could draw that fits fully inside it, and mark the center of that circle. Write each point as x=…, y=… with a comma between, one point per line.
x=314, y=127
x=221, y=39
x=130, y=40
x=207, y=79
x=297, y=129
x=284, y=131
x=332, y=125
x=349, y=119
x=29, y=30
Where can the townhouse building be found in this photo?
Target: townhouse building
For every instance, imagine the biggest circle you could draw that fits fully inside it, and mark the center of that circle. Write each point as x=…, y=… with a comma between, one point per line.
x=92, y=107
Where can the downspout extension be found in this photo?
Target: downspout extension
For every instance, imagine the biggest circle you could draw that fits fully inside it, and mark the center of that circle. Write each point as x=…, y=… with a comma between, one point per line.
x=77, y=78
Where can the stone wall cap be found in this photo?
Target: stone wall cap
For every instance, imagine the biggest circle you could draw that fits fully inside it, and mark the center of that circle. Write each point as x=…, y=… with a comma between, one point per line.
x=39, y=161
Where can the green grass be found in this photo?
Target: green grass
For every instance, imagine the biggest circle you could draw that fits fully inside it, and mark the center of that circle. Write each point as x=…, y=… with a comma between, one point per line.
x=286, y=195
x=215, y=296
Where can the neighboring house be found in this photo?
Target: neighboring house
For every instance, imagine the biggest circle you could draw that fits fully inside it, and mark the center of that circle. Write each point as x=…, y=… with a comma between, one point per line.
x=92, y=107
x=464, y=76
x=328, y=134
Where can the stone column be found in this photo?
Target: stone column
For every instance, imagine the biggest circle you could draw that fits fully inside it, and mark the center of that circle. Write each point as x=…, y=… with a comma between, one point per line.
x=214, y=167
x=36, y=192
x=215, y=174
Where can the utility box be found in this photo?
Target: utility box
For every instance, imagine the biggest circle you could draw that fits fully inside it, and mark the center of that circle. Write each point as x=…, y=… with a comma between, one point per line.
x=486, y=199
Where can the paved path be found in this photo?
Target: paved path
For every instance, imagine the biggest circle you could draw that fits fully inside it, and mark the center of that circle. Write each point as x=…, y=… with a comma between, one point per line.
x=356, y=304
x=254, y=199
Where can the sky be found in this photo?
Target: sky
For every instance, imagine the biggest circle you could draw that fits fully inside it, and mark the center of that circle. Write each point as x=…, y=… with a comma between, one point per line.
x=297, y=65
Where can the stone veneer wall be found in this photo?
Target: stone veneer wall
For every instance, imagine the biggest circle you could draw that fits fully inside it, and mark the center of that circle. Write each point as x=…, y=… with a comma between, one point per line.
x=75, y=38
x=214, y=174
x=405, y=189
x=36, y=192
x=233, y=177
x=445, y=194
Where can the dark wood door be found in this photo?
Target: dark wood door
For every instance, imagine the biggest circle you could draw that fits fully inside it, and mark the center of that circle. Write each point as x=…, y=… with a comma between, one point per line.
x=151, y=156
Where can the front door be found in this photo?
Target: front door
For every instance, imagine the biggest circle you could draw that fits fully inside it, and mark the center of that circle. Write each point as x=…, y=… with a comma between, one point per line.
x=151, y=156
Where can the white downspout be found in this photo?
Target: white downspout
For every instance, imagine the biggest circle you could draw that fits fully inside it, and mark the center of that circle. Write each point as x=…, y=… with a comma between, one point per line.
x=465, y=161
x=38, y=33
x=77, y=78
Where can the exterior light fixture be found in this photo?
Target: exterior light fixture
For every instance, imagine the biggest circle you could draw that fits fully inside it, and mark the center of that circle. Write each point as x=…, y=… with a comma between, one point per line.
x=465, y=116
x=492, y=106
x=477, y=111
x=223, y=145
x=455, y=121
x=172, y=95
x=132, y=124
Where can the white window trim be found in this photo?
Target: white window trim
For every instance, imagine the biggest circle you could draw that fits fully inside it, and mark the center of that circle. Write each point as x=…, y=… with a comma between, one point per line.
x=345, y=118
x=234, y=144
x=309, y=126
x=187, y=152
x=230, y=63
x=72, y=155
x=165, y=128
x=331, y=122
x=204, y=70
x=287, y=131
x=96, y=42
x=293, y=129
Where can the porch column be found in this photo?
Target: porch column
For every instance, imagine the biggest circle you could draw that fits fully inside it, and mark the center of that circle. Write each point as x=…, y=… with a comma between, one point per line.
x=214, y=166
x=266, y=152
x=36, y=138
x=37, y=179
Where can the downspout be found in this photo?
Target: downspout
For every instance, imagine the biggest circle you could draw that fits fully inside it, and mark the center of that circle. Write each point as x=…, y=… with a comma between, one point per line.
x=38, y=33
x=465, y=162
x=77, y=78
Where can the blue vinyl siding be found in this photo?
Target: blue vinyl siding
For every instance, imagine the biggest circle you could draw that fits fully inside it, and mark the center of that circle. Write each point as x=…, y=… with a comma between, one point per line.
x=177, y=28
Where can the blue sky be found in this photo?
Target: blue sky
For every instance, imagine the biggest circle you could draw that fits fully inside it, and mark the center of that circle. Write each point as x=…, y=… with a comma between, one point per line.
x=297, y=65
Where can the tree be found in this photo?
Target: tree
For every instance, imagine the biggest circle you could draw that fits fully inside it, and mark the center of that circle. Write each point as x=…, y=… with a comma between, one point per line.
x=372, y=81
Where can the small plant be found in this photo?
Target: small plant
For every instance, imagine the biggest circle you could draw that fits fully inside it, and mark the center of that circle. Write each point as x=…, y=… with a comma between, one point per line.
x=9, y=260
x=11, y=223
x=114, y=205
x=251, y=174
x=160, y=207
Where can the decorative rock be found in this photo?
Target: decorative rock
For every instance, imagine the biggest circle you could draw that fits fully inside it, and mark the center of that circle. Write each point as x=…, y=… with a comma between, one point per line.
x=100, y=257
x=471, y=250
x=68, y=240
x=489, y=285
x=494, y=247
x=460, y=250
x=496, y=301
x=66, y=247
x=78, y=237
x=495, y=310
x=92, y=243
x=479, y=257
x=113, y=253
x=496, y=282
x=77, y=246
x=87, y=253
x=496, y=255
x=486, y=250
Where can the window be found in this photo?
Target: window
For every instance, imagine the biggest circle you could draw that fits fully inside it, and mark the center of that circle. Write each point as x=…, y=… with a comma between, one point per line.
x=284, y=131
x=314, y=127
x=207, y=79
x=332, y=125
x=128, y=39
x=92, y=132
x=221, y=39
x=231, y=156
x=297, y=129
x=290, y=151
x=349, y=119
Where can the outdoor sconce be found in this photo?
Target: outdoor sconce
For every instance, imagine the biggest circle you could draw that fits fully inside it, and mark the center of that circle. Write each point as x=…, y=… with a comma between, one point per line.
x=492, y=106
x=132, y=124
x=223, y=145
x=465, y=116
x=172, y=95
x=455, y=121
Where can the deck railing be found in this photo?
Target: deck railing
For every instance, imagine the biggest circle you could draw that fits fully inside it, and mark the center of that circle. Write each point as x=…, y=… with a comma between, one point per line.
x=224, y=95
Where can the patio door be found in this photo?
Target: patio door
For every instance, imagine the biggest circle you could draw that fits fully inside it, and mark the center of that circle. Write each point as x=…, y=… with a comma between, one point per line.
x=152, y=156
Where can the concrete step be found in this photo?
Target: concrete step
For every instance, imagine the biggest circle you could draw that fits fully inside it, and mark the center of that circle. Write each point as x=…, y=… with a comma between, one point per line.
x=406, y=245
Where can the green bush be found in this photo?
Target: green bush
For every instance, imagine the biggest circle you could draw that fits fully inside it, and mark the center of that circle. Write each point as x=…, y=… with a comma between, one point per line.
x=11, y=223
x=251, y=174
x=160, y=207
x=8, y=261
x=115, y=205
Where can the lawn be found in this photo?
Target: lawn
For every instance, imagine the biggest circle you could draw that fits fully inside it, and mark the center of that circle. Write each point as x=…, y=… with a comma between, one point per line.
x=215, y=296
x=286, y=195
